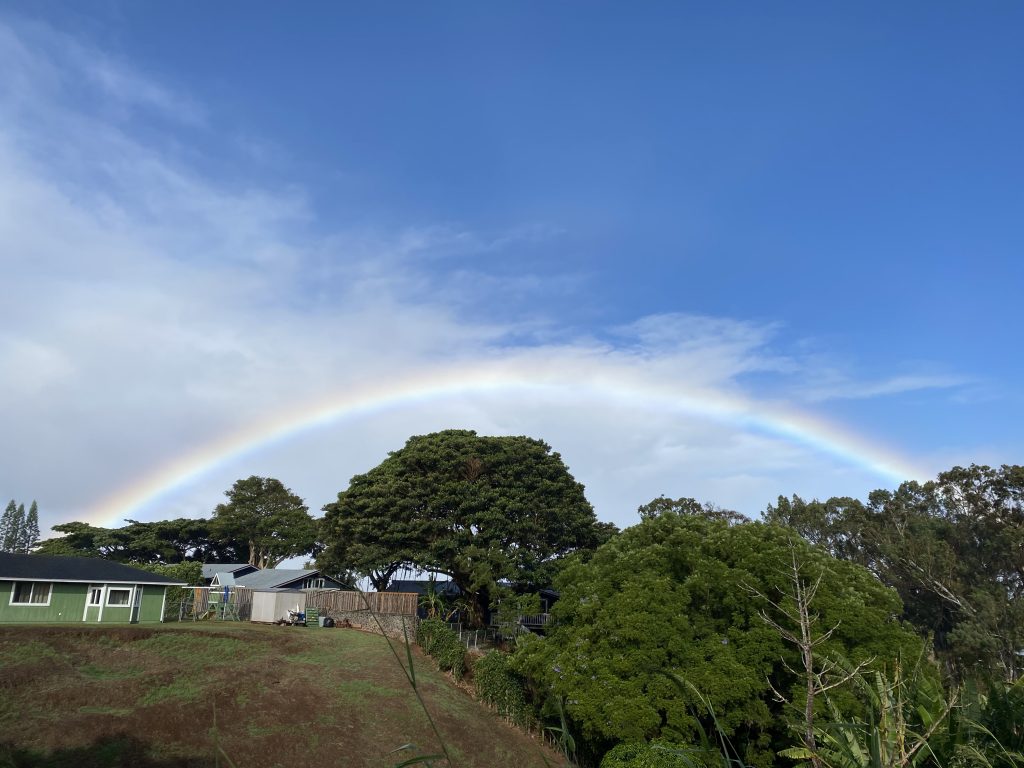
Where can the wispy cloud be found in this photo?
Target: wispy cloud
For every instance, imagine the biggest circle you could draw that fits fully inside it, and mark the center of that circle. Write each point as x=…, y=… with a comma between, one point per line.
x=832, y=385
x=47, y=68
x=149, y=308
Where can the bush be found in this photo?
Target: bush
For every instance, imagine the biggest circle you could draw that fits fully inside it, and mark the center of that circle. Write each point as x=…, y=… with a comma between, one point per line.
x=654, y=755
x=189, y=571
x=682, y=595
x=439, y=641
x=499, y=685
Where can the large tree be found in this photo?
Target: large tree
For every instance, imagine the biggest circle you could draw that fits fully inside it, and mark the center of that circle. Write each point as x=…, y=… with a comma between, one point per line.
x=683, y=595
x=79, y=540
x=273, y=521
x=954, y=550
x=159, y=541
x=688, y=506
x=10, y=527
x=30, y=528
x=180, y=540
x=19, y=531
x=478, y=509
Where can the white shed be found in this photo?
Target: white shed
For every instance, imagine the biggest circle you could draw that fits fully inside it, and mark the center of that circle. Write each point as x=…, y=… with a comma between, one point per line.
x=271, y=605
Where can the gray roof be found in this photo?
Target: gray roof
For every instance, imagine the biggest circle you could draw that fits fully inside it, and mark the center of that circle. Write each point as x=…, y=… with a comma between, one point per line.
x=210, y=569
x=224, y=579
x=420, y=587
x=273, y=577
x=60, y=568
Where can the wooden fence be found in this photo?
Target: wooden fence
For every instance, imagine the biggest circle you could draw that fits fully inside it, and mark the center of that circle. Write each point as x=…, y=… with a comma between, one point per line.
x=394, y=603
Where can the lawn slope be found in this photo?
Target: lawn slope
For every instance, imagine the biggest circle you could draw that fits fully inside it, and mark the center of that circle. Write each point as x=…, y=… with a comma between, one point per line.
x=286, y=697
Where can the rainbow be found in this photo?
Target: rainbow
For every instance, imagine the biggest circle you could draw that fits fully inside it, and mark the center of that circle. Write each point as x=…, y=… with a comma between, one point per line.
x=571, y=381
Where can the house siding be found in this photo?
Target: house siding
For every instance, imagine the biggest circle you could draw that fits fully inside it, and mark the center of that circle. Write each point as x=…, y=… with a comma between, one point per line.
x=67, y=602
x=115, y=614
x=67, y=605
x=152, y=604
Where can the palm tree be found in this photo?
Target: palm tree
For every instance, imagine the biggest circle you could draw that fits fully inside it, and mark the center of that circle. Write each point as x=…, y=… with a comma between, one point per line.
x=431, y=601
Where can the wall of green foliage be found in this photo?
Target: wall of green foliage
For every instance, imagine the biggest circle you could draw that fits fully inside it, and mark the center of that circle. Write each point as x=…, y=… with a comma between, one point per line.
x=678, y=595
x=652, y=755
x=440, y=642
x=498, y=684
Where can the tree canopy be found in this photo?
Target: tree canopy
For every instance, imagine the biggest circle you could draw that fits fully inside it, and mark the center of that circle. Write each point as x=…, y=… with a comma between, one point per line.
x=262, y=523
x=479, y=509
x=683, y=594
x=274, y=522
x=954, y=550
x=160, y=541
x=19, y=530
x=688, y=506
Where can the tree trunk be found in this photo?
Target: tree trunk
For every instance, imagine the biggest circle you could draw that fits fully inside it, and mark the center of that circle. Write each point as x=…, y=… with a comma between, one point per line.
x=478, y=602
x=381, y=580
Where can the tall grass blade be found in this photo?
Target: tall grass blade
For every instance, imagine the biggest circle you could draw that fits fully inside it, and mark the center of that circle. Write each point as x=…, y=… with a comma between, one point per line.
x=408, y=654
x=727, y=754
x=218, y=750
x=410, y=674
x=416, y=760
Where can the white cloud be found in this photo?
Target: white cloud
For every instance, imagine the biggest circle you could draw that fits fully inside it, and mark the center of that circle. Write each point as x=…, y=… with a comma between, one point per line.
x=148, y=309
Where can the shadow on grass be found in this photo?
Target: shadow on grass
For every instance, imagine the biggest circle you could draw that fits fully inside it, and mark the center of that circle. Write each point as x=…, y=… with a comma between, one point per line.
x=117, y=751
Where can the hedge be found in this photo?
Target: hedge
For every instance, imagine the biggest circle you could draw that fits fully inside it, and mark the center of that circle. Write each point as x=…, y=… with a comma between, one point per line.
x=438, y=640
x=657, y=754
x=499, y=685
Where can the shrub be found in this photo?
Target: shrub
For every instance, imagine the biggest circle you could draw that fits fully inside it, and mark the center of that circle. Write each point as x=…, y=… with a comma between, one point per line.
x=438, y=640
x=189, y=571
x=682, y=595
x=499, y=685
x=654, y=755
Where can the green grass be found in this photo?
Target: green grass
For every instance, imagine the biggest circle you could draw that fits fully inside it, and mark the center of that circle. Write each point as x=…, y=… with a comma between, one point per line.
x=366, y=691
x=29, y=652
x=182, y=690
x=202, y=649
x=99, y=672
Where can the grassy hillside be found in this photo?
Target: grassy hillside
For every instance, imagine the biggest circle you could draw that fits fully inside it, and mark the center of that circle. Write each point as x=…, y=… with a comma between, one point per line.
x=135, y=696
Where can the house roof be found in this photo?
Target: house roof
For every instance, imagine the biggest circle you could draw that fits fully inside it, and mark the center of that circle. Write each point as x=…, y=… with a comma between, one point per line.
x=273, y=577
x=420, y=587
x=85, y=569
x=223, y=579
x=211, y=569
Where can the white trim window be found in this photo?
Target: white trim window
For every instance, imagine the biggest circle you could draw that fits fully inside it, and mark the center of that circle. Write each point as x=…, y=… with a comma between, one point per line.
x=31, y=592
x=119, y=597
x=95, y=596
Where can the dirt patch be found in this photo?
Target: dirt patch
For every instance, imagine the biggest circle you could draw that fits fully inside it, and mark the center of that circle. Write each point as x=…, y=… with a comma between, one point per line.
x=266, y=696
x=119, y=634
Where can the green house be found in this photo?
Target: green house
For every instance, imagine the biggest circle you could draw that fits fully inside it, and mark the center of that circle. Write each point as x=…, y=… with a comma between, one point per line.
x=47, y=588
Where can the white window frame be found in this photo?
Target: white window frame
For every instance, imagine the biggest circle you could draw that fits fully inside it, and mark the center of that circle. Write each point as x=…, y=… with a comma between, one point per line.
x=32, y=591
x=126, y=604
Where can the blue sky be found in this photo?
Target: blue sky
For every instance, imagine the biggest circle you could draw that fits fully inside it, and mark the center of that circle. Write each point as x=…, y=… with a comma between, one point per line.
x=218, y=211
